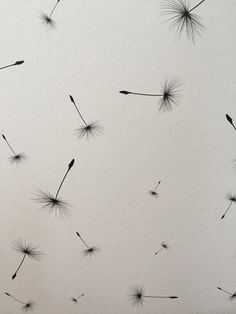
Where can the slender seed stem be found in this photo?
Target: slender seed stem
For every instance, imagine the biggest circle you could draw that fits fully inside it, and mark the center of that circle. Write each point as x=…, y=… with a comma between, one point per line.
x=77, y=109
x=143, y=94
x=17, y=300
x=82, y=240
x=58, y=190
x=9, y=144
x=7, y=66
x=15, y=274
x=80, y=296
x=69, y=167
x=159, y=251
x=158, y=297
x=227, y=210
x=225, y=291
x=54, y=8
x=157, y=186
x=196, y=5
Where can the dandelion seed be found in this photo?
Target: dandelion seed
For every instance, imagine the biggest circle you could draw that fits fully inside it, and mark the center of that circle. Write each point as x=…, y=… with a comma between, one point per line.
x=16, y=158
x=230, y=120
x=47, y=19
x=89, y=129
x=11, y=65
x=75, y=300
x=232, y=295
x=27, y=249
x=154, y=192
x=27, y=306
x=137, y=296
x=168, y=94
x=90, y=250
x=182, y=19
x=164, y=246
x=54, y=204
x=232, y=198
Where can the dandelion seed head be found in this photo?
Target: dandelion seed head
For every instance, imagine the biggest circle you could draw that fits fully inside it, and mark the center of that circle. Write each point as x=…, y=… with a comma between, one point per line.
x=170, y=93
x=165, y=245
x=47, y=20
x=182, y=19
x=91, y=251
x=231, y=197
x=91, y=129
x=29, y=306
x=153, y=193
x=17, y=159
x=27, y=249
x=136, y=295
x=53, y=205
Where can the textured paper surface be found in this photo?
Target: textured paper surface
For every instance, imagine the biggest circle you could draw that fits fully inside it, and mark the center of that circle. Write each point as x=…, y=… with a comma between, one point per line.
x=98, y=48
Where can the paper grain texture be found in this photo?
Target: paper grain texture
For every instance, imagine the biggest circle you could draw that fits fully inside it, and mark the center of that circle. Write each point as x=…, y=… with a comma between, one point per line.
x=98, y=48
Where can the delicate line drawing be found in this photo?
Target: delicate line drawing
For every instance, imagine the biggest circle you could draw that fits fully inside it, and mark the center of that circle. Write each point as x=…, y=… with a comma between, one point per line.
x=47, y=19
x=55, y=204
x=75, y=300
x=232, y=295
x=230, y=120
x=90, y=250
x=27, y=306
x=232, y=198
x=89, y=129
x=182, y=19
x=164, y=246
x=137, y=296
x=26, y=249
x=168, y=94
x=12, y=64
x=154, y=191
x=16, y=158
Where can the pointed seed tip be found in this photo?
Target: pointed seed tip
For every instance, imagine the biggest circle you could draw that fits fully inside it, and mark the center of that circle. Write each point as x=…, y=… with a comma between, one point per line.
x=71, y=98
x=71, y=163
x=19, y=62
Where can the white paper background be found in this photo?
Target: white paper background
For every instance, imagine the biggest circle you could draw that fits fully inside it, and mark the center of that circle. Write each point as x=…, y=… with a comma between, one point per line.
x=98, y=48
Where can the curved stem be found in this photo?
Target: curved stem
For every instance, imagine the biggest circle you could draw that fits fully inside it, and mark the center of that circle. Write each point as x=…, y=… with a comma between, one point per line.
x=196, y=5
x=14, y=276
x=58, y=190
x=77, y=109
x=227, y=210
x=17, y=300
x=54, y=8
x=69, y=167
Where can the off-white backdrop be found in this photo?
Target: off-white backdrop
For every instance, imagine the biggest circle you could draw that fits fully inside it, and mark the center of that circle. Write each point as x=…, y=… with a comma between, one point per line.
x=98, y=48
